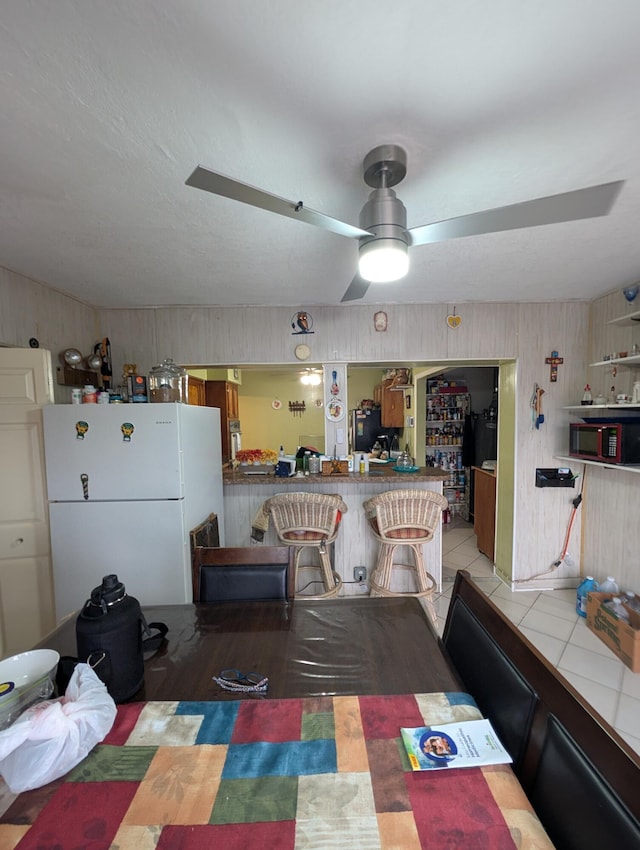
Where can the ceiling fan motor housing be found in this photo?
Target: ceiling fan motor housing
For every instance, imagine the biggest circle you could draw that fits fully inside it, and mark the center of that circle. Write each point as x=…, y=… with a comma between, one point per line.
x=385, y=216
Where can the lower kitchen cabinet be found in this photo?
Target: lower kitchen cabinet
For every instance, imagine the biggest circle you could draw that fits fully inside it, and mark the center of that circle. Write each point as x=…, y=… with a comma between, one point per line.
x=484, y=510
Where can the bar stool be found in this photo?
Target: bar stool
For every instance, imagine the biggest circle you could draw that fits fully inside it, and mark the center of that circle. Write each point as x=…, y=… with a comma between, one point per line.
x=407, y=518
x=309, y=520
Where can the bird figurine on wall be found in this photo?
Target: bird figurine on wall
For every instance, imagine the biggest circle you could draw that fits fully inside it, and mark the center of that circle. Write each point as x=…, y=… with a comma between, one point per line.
x=303, y=322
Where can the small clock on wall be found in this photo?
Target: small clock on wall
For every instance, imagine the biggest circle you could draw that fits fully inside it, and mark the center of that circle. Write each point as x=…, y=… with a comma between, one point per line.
x=302, y=352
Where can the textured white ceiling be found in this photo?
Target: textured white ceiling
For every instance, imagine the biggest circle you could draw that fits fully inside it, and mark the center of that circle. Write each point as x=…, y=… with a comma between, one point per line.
x=106, y=108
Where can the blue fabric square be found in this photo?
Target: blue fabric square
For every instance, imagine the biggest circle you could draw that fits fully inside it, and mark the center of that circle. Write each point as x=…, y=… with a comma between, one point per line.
x=291, y=758
x=459, y=698
x=219, y=718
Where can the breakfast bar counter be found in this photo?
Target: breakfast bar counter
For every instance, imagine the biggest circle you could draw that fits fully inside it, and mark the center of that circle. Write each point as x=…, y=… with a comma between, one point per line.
x=244, y=495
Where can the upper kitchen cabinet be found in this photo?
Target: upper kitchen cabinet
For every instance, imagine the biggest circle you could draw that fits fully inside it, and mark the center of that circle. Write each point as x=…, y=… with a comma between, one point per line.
x=196, y=391
x=391, y=401
x=223, y=394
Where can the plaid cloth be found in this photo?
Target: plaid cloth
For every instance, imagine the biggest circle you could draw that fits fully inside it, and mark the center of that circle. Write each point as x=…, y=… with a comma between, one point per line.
x=314, y=773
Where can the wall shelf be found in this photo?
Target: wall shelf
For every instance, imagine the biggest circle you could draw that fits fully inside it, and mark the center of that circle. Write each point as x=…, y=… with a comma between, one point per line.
x=585, y=408
x=618, y=467
x=629, y=319
x=70, y=377
x=634, y=360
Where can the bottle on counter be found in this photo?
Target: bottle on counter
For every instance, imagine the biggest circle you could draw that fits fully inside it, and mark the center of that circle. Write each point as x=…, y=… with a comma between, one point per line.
x=361, y=465
x=587, y=585
x=281, y=452
x=586, y=396
x=610, y=586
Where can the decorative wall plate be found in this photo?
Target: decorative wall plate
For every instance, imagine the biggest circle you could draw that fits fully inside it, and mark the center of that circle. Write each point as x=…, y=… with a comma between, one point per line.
x=276, y=404
x=302, y=352
x=453, y=321
x=335, y=410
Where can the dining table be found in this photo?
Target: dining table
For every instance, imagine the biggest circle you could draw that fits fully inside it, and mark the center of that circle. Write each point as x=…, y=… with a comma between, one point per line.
x=313, y=759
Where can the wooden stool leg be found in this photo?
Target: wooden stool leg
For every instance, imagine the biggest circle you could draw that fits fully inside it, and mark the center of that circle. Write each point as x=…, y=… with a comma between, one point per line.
x=424, y=583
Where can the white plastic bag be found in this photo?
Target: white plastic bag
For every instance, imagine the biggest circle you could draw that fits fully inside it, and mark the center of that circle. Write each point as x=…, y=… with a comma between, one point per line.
x=53, y=736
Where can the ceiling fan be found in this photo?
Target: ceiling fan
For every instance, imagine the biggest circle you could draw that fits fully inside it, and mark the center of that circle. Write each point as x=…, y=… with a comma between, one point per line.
x=383, y=235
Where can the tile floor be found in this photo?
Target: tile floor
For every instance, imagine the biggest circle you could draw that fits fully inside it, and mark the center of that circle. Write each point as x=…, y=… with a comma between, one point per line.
x=550, y=622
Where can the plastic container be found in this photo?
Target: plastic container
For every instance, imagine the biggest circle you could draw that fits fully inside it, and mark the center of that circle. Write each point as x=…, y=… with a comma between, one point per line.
x=615, y=606
x=587, y=585
x=631, y=600
x=610, y=585
x=89, y=394
x=76, y=395
x=168, y=382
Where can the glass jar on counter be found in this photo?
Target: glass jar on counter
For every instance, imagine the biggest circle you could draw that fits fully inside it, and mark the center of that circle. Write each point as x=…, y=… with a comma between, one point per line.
x=168, y=382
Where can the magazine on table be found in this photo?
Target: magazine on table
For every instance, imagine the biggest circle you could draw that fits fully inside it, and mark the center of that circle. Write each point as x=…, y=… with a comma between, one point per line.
x=472, y=743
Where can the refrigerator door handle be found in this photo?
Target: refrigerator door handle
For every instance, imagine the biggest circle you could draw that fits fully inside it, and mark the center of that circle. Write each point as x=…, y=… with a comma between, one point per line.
x=84, y=478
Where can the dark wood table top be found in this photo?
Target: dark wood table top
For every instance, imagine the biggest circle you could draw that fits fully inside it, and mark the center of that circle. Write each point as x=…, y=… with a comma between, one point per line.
x=305, y=648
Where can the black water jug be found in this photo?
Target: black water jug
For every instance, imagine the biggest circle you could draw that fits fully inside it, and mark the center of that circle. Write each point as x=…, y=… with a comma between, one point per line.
x=109, y=633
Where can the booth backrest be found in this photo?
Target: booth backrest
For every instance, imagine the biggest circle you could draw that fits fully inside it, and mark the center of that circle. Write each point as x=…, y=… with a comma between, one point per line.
x=500, y=690
x=580, y=776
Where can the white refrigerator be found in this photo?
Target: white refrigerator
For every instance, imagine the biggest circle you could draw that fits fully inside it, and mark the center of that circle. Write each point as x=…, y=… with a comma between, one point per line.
x=126, y=483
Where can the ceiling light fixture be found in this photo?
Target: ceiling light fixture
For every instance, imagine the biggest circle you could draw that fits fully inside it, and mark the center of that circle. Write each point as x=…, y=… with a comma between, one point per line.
x=310, y=378
x=384, y=255
x=383, y=260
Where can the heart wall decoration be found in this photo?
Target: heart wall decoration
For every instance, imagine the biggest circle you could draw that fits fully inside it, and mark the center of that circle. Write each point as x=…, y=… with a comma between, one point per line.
x=454, y=321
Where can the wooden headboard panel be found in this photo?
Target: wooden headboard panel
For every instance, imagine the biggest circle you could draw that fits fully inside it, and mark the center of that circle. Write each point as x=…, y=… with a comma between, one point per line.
x=580, y=775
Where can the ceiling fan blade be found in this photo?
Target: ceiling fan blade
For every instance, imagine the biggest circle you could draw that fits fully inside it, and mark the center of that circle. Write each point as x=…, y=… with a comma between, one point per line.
x=569, y=206
x=211, y=181
x=356, y=289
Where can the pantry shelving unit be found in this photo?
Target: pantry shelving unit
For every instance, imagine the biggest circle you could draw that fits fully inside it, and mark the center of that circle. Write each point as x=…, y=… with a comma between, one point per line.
x=446, y=411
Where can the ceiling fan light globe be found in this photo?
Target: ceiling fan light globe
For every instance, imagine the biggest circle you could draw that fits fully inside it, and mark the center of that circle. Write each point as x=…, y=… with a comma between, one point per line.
x=383, y=261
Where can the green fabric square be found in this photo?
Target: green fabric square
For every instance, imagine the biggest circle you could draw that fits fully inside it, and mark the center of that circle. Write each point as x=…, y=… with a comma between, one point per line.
x=404, y=758
x=112, y=764
x=318, y=726
x=265, y=798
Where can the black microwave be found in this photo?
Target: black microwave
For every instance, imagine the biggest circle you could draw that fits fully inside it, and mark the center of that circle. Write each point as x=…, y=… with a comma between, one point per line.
x=607, y=442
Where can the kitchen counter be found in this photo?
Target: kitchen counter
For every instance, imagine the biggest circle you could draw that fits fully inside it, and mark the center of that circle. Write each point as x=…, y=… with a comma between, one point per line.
x=355, y=545
x=376, y=474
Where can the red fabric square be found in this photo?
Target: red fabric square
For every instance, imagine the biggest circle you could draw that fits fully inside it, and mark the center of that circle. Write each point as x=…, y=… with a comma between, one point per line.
x=269, y=721
x=454, y=806
x=279, y=835
x=126, y=719
x=72, y=818
x=382, y=716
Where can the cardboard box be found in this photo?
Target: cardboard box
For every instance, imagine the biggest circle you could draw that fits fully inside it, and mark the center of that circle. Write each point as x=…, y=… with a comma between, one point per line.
x=623, y=639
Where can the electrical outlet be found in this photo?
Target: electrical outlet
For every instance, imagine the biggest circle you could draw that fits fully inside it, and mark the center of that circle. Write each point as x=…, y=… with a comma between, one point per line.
x=359, y=573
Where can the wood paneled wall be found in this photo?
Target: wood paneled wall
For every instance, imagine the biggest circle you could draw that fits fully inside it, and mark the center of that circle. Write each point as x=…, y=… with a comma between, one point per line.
x=30, y=309
x=608, y=539
x=611, y=531
x=524, y=332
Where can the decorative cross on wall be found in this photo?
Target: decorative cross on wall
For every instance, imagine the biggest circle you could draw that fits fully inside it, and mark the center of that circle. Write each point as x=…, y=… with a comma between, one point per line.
x=554, y=361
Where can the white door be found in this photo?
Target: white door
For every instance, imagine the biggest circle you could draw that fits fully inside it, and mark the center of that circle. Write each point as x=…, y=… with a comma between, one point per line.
x=26, y=593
